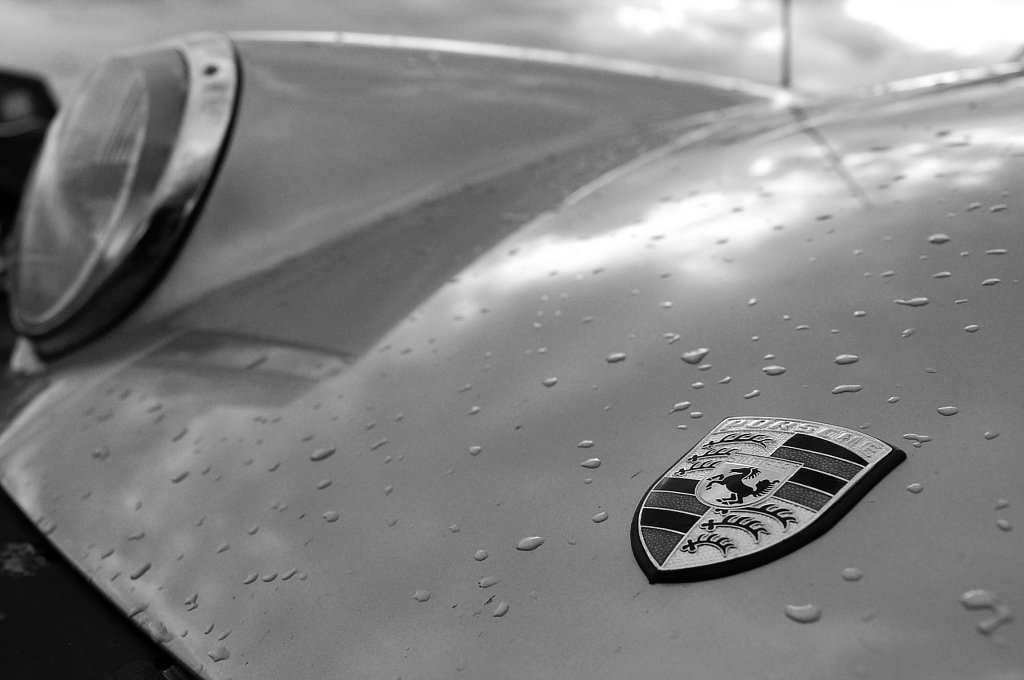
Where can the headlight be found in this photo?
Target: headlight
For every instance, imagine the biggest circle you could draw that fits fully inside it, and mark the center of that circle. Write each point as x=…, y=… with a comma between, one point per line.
x=117, y=183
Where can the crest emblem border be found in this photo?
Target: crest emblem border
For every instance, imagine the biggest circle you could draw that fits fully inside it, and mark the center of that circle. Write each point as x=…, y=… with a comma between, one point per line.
x=883, y=458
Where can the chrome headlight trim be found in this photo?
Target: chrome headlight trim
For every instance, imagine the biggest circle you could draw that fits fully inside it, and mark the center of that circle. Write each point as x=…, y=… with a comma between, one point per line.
x=144, y=238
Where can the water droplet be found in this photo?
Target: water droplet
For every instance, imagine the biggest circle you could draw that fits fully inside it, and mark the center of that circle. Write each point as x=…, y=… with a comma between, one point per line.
x=948, y=410
x=996, y=251
x=751, y=394
x=972, y=328
x=991, y=282
x=681, y=406
x=421, y=595
x=377, y=444
x=158, y=631
x=803, y=613
x=250, y=578
x=585, y=444
x=695, y=356
x=907, y=332
x=474, y=410
x=846, y=359
x=1004, y=524
x=917, y=439
x=774, y=370
x=998, y=207
x=475, y=450
x=501, y=609
x=488, y=581
x=844, y=389
x=268, y=578
x=288, y=575
x=591, y=463
x=321, y=454
x=1002, y=504
x=615, y=357
x=916, y=487
x=550, y=382
x=852, y=574
x=530, y=543
x=219, y=654
x=696, y=414
x=388, y=489
x=990, y=435
x=599, y=517
x=480, y=555
x=466, y=387
x=140, y=571
x=331, y=516
x=893, y=400
x=986, y=599
x=938, y=238
x=101, y=453
x=323, y=484
x=724, y=381
x=136, y=536
x=913, y=302
x=975, y=599
x=455, y=528
x=223, y=547
x=859, y=313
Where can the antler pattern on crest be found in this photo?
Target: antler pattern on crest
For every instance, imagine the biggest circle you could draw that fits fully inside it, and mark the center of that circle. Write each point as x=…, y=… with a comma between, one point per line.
x=721, y=543
x=702, y=465
x=749, y=525
x=781, y=515
x=761, y=440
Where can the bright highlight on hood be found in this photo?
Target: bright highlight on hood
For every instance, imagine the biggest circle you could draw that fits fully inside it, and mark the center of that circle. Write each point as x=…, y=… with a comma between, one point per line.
x=949, y=25
x=670, y=14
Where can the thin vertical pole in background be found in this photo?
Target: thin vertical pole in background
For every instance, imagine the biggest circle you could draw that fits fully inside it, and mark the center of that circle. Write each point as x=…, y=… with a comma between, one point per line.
x=787, y=44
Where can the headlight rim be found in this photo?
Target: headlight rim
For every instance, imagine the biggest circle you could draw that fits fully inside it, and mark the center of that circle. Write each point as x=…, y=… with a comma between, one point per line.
x=148, y=241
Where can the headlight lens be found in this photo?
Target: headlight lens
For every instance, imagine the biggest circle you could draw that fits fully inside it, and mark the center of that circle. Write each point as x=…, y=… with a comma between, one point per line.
x=84, y=187
x=116, y=184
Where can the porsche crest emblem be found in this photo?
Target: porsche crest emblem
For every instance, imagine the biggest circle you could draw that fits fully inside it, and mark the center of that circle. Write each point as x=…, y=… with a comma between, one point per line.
x=752, y=490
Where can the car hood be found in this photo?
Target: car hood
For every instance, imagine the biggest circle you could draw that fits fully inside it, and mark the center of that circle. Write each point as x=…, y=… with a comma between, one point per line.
x=326, y=471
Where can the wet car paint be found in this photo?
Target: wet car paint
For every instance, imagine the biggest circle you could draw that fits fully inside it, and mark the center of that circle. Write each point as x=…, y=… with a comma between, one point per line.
x=200, y=467
x=388, y=127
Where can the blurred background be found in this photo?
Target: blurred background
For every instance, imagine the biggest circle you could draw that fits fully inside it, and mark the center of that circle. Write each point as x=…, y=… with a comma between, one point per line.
x=839, y=44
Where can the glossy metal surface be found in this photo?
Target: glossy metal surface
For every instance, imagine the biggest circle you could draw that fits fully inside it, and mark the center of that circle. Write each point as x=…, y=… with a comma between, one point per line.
x=332, y=135
x=285, y=512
